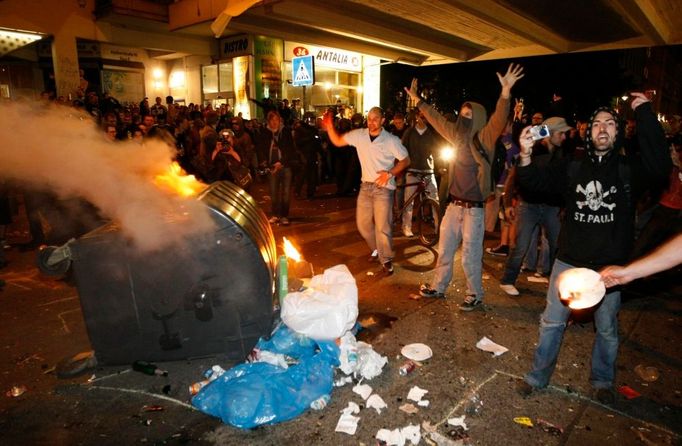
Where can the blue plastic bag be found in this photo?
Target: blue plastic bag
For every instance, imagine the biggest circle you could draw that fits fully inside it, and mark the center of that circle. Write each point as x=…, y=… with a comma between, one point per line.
x=252, y=394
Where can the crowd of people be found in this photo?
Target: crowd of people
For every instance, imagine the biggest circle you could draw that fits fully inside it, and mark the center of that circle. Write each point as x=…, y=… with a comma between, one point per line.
x=565, y=192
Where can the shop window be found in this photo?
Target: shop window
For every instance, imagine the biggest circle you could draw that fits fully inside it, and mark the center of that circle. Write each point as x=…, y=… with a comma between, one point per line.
x=225, y=76
x=351, y=79
x=209, y=75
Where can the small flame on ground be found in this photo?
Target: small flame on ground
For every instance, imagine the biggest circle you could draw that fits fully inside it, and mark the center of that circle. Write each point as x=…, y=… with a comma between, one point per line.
x=290, y=251
x=177, y=181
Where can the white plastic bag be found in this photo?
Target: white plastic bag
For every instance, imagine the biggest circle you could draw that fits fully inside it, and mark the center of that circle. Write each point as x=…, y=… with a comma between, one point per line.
x=327, y=308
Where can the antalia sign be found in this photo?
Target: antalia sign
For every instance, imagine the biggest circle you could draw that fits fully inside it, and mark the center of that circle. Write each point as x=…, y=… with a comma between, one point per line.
x=325, y=56
x=235, y=46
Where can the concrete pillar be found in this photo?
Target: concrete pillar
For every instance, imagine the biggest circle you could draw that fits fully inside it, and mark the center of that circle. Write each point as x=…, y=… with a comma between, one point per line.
x=65, y=62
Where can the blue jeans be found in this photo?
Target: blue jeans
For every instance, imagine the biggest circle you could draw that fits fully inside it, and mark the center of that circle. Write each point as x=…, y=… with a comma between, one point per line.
x=553, y=325
x=528, y=217
x=465, y=226
x=431, y=189
x=374, y=217
x=530, y=262
x=280, y=191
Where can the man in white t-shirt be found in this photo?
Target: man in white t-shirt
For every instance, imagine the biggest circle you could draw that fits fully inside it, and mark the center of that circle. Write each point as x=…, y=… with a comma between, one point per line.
x=378, y=150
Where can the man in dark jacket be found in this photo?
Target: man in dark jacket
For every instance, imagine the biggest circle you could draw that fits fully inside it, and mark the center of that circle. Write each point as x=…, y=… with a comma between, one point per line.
x=600, y=192
x=275, y=148
x=470, y=186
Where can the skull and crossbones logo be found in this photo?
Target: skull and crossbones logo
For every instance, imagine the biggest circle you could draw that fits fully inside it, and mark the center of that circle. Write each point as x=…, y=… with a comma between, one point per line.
x=594, y=196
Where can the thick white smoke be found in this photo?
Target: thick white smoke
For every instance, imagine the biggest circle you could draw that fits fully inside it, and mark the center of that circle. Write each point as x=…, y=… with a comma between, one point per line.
x=59, y=149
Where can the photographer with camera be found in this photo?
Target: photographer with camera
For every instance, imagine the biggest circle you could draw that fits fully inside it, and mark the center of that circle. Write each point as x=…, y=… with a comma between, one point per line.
x=534, y=208
x=600, y=193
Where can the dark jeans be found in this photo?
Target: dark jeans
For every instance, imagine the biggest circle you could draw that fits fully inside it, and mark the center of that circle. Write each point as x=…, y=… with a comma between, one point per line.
x=280, y=191
x=528, y=216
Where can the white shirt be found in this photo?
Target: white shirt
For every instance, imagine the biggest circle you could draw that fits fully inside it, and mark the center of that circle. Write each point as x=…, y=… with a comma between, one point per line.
x=376, y=155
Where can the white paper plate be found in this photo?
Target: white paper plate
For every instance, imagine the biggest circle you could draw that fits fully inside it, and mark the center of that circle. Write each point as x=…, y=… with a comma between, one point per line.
x=581, y=287
x=417, y=352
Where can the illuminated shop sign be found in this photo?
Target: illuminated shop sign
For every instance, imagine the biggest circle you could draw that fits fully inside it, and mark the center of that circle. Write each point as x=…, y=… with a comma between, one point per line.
x=325, y=56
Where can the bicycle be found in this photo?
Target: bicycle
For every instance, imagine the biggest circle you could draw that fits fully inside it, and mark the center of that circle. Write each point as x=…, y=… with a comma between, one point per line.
x=427, y=211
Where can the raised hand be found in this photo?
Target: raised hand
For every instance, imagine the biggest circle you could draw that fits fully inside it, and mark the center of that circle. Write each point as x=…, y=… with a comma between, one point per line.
x=639, y=99
x=526, y=142
x=412, y=92
x=513, y=74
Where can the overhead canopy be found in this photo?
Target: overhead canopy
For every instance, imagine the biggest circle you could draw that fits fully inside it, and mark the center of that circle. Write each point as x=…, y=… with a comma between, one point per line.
x=423, y=32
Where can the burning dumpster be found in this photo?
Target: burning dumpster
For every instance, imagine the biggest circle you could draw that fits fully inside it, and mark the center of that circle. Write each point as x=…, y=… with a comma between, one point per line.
x=212, y=295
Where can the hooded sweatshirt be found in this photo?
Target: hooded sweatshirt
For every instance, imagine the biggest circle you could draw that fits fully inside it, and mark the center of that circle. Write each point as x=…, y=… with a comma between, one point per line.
x=469, y=172
x=598, y=228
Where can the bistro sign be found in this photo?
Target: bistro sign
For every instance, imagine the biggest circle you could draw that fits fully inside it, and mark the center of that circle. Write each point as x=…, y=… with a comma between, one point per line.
x=235, y=46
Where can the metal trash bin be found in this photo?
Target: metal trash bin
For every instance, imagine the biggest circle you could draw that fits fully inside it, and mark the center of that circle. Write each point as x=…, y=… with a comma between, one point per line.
x=214, y=295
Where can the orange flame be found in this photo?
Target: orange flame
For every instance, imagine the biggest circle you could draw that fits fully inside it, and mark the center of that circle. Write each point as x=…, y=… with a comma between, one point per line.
x=177, y=181
x=290, y=251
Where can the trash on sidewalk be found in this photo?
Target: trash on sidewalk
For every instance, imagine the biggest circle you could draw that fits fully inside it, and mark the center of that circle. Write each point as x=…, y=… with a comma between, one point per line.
x=407, y=367
x=348, y=423
x=325, y=310
x=458, y=421
x=628, y=392
x=370, y=363
x=278, y=359
x=523, y=421
x=474, y=405
x=399, y=436
x=152, y=408
x=148, y=368
x=487, y=345
x=252, y=394
x=536, y=279
x=417, y=352
x=549, y=427
x=376, y=402
x=409, y=408
x=414, y=296
x=16, y=391
x=363, y=390
x=416, y=394
x=320, y=403
x=442, y=440
x=647, y=373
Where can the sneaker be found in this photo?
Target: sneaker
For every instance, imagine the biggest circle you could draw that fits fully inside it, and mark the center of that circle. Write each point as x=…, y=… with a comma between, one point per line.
x=538, y=279
x=523, y=388
x=388, y=267
x=425, y=290
x=470, y=303
x=407, y=232
x=273, y=220
x=605, y=396
x=284, y=221
x=501, y=250
x=509, y=289
x=374, y=257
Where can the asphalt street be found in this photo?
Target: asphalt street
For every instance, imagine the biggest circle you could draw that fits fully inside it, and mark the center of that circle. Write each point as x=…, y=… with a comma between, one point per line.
x=113, y=405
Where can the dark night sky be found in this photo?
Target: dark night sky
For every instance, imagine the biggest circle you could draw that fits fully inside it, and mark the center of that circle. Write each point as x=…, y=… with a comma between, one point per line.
x=586, y=80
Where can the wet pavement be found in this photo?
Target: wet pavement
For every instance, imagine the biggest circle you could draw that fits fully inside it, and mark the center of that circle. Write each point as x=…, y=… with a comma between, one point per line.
x=43, y=324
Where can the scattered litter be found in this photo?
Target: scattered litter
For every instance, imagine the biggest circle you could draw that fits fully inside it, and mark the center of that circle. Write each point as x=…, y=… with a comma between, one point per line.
x=458, y=433
x=399, y=437
x=416, y=394
x=152, y=408
x=370, y=363
x=417, y=352
x=320, y=403
x=475, y=405
x=462, y=380
x=147, y=422
x=276, y=359
x=16, y=391
x=148, y=368
x=407, y=367
x=348, y=356
x=458, y=421
x=423, y=403
x=524, y=421
x=370, y=273
x=487, y=345
x=549, y=427
x=92, y=378
x=628, y=392
x=348, y=423
x=343, y=381
x=166, y=389
x=428, y=427
x=363, y=390
x=442, y=440
x=535, y=279
x=376, y=402
x=409, y=408
x=647, y=373
x=414, y=296
x=485, y=276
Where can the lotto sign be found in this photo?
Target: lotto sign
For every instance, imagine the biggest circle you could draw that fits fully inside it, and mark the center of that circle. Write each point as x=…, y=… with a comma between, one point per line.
x=303, y=71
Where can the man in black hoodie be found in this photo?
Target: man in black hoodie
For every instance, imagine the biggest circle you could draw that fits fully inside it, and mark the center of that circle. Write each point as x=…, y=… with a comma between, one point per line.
x=600, y=192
